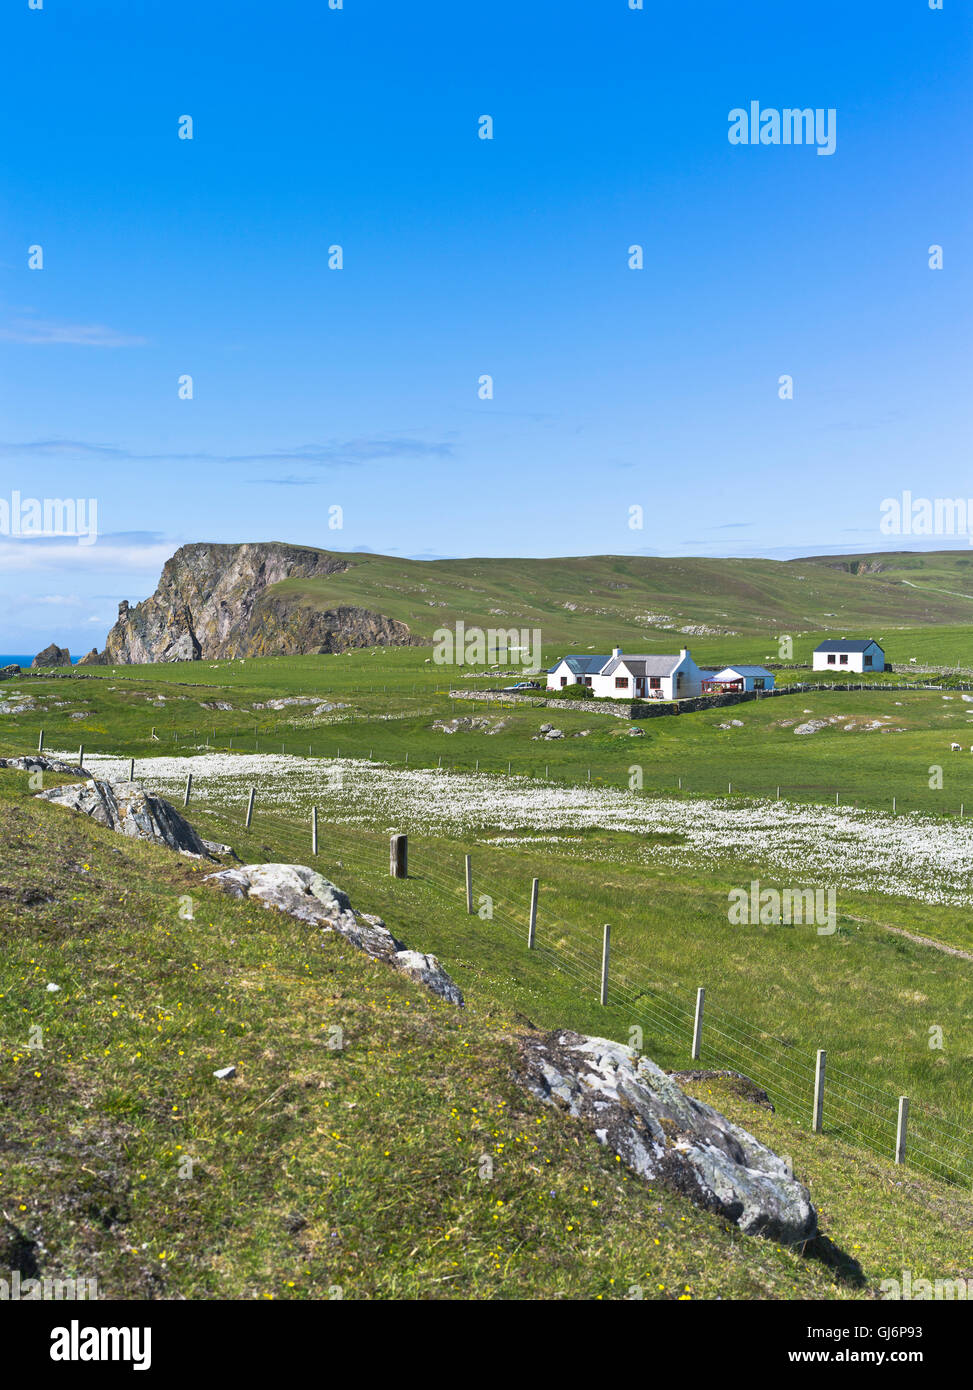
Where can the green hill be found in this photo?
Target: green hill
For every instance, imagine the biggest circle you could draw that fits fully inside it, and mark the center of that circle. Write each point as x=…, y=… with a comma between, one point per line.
x=606, y=599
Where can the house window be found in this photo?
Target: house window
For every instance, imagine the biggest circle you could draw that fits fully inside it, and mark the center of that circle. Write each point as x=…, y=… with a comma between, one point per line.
x=868, y=661
x=655, y=683
x=830, y=660
x=758, y=683
x=621, y=682
x=564, y=680
x=844, y=660
x=587, y=680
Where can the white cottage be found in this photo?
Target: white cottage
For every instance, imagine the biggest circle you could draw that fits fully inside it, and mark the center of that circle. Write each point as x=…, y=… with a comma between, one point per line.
x=575, y=670
x=649, y=677
x=845, y=655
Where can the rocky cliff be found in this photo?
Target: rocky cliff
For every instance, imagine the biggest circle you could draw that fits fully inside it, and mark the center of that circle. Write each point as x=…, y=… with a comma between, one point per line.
x=214, y=601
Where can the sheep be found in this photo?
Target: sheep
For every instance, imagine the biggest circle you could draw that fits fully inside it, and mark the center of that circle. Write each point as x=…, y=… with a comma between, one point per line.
x=956, y=748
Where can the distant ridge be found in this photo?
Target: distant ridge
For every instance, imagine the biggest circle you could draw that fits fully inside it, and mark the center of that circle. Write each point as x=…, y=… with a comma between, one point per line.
x=272, y=598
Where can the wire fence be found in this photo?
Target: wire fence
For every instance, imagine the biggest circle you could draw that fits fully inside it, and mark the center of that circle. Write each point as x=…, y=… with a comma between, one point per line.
x=856, y=1109
x=920, y=795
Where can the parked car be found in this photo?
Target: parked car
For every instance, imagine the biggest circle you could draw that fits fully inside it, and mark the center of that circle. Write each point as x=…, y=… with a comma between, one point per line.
x=523, y=685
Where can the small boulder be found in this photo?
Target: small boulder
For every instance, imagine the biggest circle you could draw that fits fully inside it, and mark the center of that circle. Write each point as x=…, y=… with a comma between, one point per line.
x=641, y=1114
x=305, y=894
x=36, y=762
x=427, y=971
x=124, y=807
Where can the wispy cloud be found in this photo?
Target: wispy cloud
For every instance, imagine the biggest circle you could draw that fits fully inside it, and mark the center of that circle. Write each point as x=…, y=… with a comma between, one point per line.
x=346, y=453
x=349, y=452
x=289, y=481
x=51, y=332
x=109, y=553
x=59, y=448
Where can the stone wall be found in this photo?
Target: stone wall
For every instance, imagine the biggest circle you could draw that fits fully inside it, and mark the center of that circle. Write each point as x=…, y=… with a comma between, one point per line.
x=647, y=709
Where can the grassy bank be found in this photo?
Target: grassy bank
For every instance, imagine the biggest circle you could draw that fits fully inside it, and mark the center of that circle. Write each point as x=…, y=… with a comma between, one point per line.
x=354, y=1171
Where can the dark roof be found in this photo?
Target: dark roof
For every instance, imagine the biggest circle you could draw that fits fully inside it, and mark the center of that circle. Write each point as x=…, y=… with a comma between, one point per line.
x=643, y=665
x=846, y=646
x=581, y=665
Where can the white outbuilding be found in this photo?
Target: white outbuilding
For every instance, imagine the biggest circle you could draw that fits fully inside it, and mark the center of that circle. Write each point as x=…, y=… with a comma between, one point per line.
x=739, y=678
x=846, y=655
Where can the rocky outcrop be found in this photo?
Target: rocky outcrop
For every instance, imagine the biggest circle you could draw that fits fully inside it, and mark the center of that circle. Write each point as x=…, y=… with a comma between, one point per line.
x=52, y=656
x=36, y=762
x=127, y=809
x=8, y=672
x=310, y=897
x=636, y=1110
x=217, y=601
x=92, y=658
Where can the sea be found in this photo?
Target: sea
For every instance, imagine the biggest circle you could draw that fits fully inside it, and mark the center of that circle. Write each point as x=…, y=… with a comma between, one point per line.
x=26, y=660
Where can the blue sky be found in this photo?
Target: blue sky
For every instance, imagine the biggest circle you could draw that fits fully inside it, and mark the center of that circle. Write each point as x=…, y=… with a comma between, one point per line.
x=358, y=388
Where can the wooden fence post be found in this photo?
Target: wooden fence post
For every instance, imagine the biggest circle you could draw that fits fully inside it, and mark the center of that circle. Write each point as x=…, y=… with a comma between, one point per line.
x=469, y=885
x=533, y=914
x=698, y=1023
x=40, y=742
x=81, y=756
x=900, y=1129
x=253, y=793
x=605, y=945
x=399, y=856
x=131, y=769
x=314, y=830
x=818, y=1092
x=189, y=787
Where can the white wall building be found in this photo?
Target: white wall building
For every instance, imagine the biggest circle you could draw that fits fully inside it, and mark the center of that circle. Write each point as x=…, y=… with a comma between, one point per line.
x=844, y=655
x=575, y=670
x=649, y=677
x=742, y=678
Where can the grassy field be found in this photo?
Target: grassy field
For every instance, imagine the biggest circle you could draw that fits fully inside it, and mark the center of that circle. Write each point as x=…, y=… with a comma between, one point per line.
x=387, y=702
x=356, y=1171
x=874, y=993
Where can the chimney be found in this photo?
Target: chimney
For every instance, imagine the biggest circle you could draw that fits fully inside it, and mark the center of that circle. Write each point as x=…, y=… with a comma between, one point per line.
x=616, y=651
x=683, y=653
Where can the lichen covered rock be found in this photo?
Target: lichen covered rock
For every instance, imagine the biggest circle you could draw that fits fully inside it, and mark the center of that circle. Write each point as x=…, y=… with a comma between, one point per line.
x=127, y=809
x=663, y=1135
x=303, y=893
